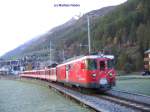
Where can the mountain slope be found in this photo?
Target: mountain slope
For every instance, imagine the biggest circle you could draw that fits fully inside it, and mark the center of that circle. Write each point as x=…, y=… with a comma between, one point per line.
x=66, y=33
x=17, y=51
x=124, y=30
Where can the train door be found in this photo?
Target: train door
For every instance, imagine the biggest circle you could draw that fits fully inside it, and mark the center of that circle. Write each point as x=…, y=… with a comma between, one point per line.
x=54, y=74
x=103, y=77
x=102, y=65
x=67, y=72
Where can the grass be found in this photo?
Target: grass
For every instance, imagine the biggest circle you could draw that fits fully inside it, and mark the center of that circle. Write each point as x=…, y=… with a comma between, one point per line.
x=122, y=73
x=141, y=86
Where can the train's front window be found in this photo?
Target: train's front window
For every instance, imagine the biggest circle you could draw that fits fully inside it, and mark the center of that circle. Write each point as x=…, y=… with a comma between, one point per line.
x=92, y=64
x=110, y=64
x=102, y=65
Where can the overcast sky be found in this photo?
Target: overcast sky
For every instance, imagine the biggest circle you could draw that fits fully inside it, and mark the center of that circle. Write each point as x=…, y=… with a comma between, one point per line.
x=21, y=20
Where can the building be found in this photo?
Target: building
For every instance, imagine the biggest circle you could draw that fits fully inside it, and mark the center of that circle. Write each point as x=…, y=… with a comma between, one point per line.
x=11, y=67
x=147, y=62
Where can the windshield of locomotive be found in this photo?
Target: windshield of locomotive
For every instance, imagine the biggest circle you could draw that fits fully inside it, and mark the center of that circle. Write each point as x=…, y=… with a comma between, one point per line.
x=91, y=64
x=110, y=64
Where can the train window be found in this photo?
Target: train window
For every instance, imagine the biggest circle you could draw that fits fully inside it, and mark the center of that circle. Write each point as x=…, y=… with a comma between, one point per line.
x=92, y=65
x=68, y=67
x=110, y=64
x=102, y=65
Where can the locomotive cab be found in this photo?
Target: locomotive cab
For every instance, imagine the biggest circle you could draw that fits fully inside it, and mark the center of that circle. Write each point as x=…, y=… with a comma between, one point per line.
x=101, y=73
x=107, y=73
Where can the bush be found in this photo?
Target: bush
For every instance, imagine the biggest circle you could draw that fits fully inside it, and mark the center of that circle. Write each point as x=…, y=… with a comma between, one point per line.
x=127, y=68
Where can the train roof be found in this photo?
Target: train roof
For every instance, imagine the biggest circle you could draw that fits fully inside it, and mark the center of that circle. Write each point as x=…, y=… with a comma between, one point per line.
x=79, y=58
x=148, y=51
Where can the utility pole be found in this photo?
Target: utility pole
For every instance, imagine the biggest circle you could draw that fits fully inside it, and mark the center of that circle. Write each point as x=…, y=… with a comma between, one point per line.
x=89, y=37
x=63, y=55
x=50, y=51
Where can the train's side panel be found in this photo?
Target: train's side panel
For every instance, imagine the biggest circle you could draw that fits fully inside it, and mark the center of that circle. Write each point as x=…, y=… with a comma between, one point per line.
x=29, y=74
x=73, y=74
x=81, y=76
x=61, y=73
x=53, y=76
x=77, y=75
x=42, y=74
x=47, y=74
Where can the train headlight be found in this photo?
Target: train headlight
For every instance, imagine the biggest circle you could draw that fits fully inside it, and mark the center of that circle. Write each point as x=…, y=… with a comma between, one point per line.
x=110, y=74
x=94, y=75
x=103, y=81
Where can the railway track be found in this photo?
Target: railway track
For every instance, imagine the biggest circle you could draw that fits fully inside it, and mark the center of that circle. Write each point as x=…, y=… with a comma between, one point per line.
x=138, y=98
x=122, y=101
x=125, y=102
x=133, y=100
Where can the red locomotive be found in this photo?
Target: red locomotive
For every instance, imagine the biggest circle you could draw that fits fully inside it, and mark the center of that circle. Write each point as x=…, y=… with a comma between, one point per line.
x=92, y=71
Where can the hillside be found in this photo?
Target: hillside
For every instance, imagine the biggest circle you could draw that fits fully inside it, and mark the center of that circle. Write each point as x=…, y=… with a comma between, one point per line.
x=61, y=37
x=124, y=30
x=126, y=33
x=19, y=50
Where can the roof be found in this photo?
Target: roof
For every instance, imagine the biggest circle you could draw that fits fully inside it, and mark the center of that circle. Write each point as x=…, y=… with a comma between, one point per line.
x=148, y=51
x=80, y=58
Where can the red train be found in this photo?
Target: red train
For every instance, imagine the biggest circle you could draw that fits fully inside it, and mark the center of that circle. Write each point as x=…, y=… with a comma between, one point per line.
x=92, y=71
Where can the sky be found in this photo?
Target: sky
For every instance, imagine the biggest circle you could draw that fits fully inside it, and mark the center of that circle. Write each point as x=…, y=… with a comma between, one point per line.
x=22, y=20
